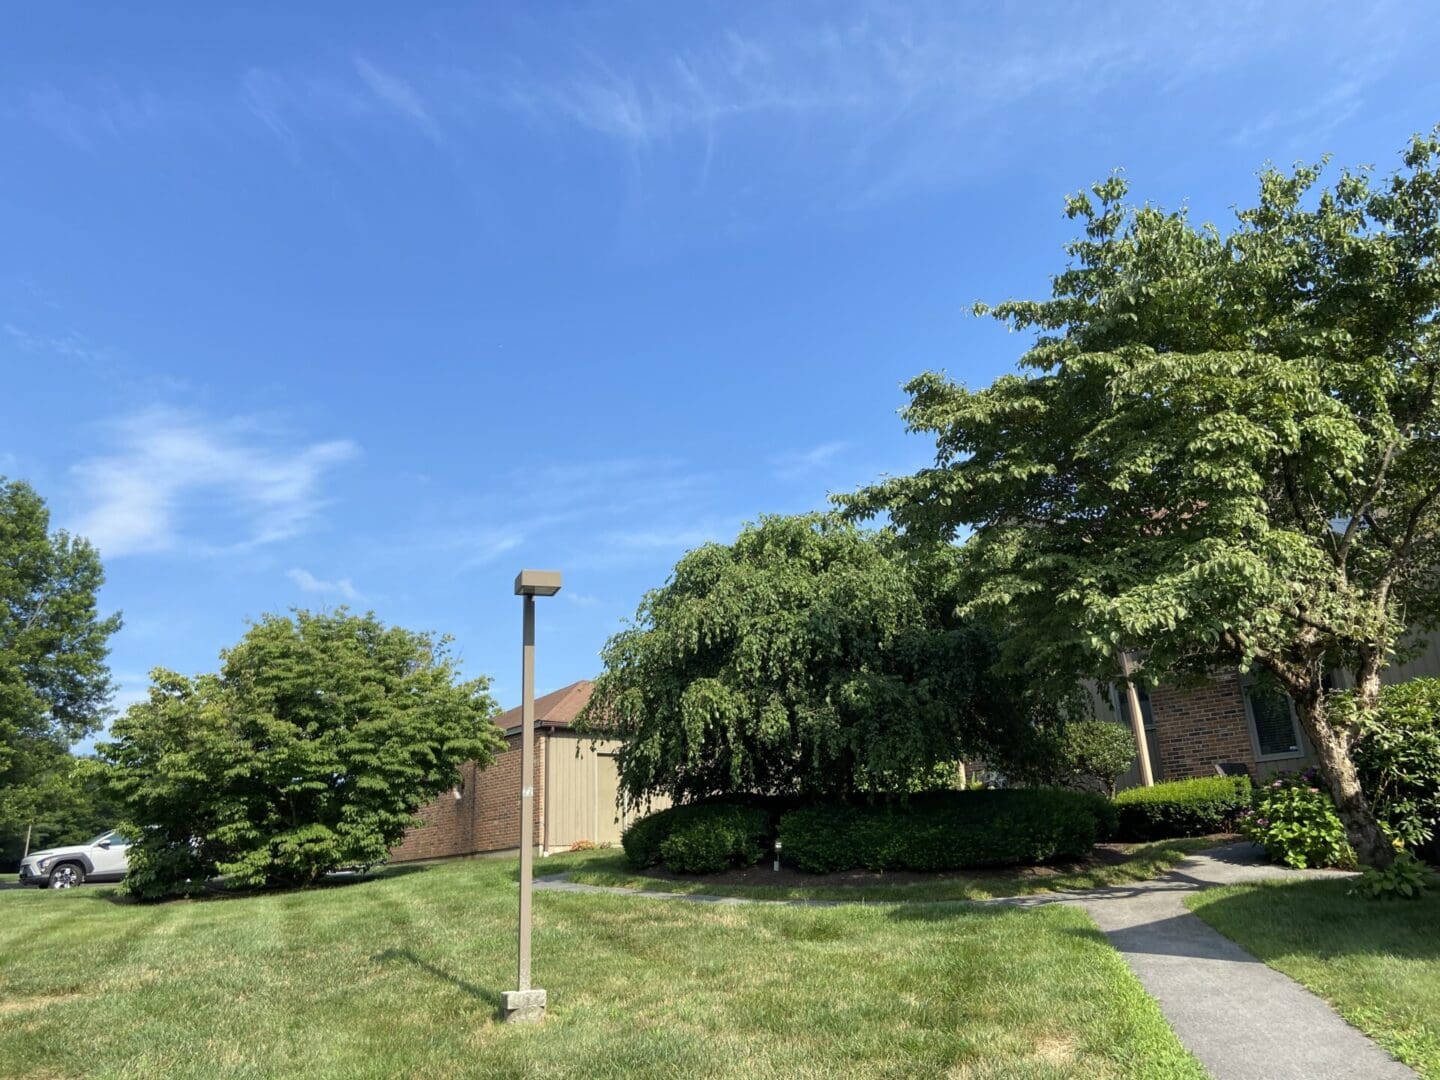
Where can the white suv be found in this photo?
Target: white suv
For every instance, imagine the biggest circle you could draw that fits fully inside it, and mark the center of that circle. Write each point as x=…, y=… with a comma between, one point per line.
x=100, y=859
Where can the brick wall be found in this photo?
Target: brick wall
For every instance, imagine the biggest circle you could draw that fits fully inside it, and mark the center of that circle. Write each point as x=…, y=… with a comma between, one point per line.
x=486, y=817
x=1199, y=726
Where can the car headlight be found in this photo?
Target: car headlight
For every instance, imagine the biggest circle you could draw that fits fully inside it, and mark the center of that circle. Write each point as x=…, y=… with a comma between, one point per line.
x=40, y=864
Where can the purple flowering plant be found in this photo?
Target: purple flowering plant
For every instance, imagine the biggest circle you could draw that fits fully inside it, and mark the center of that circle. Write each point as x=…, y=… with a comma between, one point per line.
x=1296, y=823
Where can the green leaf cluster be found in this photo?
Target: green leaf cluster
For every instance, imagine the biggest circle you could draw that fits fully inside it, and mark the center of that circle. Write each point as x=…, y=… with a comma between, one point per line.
x=809, y=656
x=311, y=749
x=54, y=683
x=1222, y=449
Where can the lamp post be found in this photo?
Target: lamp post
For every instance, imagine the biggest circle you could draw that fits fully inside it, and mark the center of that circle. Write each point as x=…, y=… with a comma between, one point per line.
x=524, y=1004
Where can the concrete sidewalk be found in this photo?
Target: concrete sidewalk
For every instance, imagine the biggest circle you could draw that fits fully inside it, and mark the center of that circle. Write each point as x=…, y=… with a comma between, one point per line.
x=1241, y=1019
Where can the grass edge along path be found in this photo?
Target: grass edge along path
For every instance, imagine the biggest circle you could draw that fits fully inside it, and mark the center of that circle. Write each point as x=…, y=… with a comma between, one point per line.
x=1377, y=963
x=1144, y=862
x=394, y=975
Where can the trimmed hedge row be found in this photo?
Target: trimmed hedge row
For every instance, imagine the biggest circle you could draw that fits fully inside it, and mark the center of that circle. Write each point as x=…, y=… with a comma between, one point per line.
x=946, y=830
x=1182, y=807
x=700, y=838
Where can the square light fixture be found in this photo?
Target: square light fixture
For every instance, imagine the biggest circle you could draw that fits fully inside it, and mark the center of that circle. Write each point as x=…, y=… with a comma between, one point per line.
x=537, y=583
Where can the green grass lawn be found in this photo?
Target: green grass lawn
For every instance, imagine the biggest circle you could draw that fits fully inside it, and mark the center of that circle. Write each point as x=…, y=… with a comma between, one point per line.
x=1376, y=962
x=1143, y=861
x=400, y=976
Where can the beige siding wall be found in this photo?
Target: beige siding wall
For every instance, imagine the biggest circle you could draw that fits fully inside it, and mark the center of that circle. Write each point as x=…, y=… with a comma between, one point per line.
x=581, y=785
x=1426, y=665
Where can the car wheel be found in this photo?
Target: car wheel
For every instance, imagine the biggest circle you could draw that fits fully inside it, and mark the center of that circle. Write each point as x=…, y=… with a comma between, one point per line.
x=67, y=876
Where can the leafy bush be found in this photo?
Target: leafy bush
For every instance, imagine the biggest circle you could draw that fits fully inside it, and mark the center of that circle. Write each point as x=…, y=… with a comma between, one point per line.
x=700, y=838
x=1088, y=755
x=1399, y=762
x=1182, y=807
x=948, y=830
x=311, y=749
x=1296, y=823
x=1406, y=877
x=718, y=837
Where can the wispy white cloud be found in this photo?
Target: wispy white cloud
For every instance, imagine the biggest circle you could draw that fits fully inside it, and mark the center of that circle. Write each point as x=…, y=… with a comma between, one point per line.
x=801, y=463
x=174, y=479
x=398, y=96
x=70, y=345
x=102, y=112
x=308, y=582
x=287, y=101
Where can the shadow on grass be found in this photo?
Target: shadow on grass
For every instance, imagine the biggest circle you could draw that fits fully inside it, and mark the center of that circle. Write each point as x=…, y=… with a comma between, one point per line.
x=1320, y=920
x=217, y=890
x=479, y=993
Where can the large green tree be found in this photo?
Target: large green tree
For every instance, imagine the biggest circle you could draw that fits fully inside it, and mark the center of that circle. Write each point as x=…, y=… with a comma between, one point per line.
x=809, y=656
x=54, y=683
x=1223, y=448
x=311, y=749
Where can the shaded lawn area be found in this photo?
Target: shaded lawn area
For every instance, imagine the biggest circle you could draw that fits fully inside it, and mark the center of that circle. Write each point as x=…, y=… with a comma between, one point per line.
x=400, y=976
x=1376, y=961
x=1139, y=862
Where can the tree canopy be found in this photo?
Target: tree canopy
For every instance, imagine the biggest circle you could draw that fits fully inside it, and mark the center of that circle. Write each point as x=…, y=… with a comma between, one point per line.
x=1222, y=449
x=809, y=656
x=54, y=683
x=311, y=749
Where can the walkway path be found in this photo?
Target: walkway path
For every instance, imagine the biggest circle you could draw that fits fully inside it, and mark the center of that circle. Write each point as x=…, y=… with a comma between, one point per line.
x=1243, y=1020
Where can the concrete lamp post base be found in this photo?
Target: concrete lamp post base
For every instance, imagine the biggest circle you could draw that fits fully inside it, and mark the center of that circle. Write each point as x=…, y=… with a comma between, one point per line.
x=523, y=1006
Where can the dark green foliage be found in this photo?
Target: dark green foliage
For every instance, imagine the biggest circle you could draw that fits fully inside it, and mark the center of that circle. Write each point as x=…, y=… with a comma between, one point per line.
x=809, y=656
x=311, y=749
x=1222, y=449
x=1088, y=755
x=54, y=685
x=723, y=837
x=950, y=830
x=1407, y=878
x=1182, y=807
x=1399, y=762
x=1294, y=820
x=702, y=838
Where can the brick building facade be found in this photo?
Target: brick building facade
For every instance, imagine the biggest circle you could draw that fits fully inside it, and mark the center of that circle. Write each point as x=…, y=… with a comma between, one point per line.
x=576, y=783
x=483, y=814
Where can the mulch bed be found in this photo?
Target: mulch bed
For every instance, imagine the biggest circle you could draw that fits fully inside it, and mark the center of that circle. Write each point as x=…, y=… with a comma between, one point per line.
x=763, y=874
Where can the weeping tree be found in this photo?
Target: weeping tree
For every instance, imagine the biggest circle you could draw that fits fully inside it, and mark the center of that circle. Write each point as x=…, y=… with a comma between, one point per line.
x=807, y=657
x=1223, y=449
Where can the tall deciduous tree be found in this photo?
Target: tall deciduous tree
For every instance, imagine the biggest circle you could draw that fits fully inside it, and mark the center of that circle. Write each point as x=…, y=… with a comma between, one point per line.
x=54, y=684
x=312, y=748
x=1224, y=448
x=809, y=656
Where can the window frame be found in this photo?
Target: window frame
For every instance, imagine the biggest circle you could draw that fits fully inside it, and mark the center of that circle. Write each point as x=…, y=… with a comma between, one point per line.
x=1299, y=751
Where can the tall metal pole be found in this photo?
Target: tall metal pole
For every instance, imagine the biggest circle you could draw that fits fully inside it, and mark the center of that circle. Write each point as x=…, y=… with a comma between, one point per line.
x=525, y=1003
x=1137, y=722
x=527, y=787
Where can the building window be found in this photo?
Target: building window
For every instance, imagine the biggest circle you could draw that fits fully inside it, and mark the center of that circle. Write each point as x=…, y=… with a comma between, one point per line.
x=1147, y=714
x=1272, y=723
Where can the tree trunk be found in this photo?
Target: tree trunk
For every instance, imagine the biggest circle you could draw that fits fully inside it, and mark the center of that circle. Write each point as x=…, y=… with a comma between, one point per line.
x=1337, y=769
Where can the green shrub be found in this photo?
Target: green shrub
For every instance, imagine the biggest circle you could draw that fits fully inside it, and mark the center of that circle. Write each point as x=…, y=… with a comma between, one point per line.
x=1296, y=823
x=1088, y=755
x=1407, y=877
x=1399, y=762
x=642, y=838
x=1182, y=807
x=700, y=838
x=944, y=830
x=717, y=836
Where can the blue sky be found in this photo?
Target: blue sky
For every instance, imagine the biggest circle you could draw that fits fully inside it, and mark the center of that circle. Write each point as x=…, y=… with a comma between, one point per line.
x=376, y=304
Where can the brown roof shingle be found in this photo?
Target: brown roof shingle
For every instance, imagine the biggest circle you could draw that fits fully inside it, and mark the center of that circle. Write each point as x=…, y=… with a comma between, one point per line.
x=555, y=709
